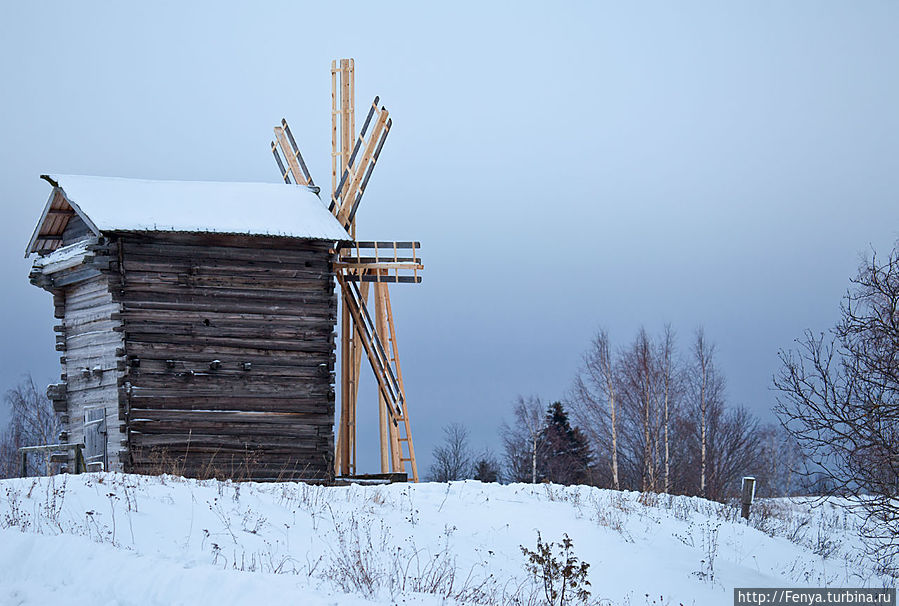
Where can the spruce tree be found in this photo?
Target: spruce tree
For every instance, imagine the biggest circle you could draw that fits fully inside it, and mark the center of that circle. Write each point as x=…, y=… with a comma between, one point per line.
x=566, y=459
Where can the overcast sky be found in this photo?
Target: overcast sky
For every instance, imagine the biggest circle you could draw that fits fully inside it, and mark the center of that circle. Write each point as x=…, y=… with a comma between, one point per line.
x=565, y=166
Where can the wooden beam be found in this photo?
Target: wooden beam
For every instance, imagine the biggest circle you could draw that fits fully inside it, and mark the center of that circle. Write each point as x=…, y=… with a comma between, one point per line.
x=296, y=152
x=292, y=164
x=348, y=197
x=384, y=431
x=371, y=167
x=334, y=113
x=381, y=244
x=373, y=345
x=284, y=173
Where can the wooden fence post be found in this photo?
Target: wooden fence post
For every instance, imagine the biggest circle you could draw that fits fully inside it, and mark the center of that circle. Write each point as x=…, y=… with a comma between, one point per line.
x=748, y=492
x=24, y=464
x=79, y=460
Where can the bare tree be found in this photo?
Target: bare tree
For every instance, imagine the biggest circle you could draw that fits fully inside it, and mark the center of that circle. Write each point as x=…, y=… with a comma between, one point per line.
x=666, y=363
x=839, y=398
x=452, y=458
x=707, y=387
x=638, y=388
x=594, y=397
x=32, y=422
x=780, y=463
x=523, y=440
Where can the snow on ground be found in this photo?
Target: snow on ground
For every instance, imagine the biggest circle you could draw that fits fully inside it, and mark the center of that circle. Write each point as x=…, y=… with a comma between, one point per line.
x=126, y=539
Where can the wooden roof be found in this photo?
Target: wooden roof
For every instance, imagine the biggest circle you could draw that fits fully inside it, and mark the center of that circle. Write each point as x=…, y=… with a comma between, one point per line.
x=110, y=204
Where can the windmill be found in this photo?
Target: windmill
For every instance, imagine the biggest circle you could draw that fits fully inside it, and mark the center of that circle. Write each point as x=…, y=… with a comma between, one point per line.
x=359, y=265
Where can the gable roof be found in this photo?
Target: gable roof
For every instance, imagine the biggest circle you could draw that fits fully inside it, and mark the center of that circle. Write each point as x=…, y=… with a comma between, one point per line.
x=115, y=204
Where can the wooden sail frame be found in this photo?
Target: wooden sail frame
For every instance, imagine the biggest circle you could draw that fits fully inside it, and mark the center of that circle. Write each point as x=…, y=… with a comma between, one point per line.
x=358, y=266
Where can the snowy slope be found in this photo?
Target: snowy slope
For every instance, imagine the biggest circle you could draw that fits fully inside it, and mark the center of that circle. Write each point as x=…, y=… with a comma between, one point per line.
x=124, y=539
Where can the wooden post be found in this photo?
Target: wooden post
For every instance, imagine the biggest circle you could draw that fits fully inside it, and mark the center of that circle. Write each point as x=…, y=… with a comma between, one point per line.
x=80, y=467
x=748, y=492
x=383, y=419
x=342, y=106
x=24, y=464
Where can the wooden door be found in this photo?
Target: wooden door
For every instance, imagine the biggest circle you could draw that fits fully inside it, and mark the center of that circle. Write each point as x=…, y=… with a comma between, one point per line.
x=95, y=439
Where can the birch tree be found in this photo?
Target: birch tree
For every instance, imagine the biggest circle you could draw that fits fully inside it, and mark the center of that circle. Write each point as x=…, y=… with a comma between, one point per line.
x=666, y=368
x=594, y=399
x=523, y=440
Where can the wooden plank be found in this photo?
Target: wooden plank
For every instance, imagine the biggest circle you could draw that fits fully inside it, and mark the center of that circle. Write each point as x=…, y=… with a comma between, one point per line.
x=383, y=279
x=380, y=244
x=349, y=196
x=292, y=164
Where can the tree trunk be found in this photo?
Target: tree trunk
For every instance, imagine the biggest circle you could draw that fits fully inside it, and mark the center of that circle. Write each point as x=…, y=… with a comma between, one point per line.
x=615, y=483
x=667, y=452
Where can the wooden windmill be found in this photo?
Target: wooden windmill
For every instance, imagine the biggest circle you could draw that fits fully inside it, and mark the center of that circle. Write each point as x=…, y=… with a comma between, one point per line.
x=359, y=265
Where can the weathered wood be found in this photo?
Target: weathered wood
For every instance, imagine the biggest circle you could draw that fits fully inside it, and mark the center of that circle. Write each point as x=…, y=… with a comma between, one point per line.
x=269, y=308
x=208, y=343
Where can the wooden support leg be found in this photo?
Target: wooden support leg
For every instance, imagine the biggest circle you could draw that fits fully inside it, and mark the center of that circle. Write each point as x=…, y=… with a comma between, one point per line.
x=383, y=421
x=344, y=437
x=356, y=372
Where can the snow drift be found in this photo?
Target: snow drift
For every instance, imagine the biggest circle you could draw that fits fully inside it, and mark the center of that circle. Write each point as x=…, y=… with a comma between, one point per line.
x=125, y=539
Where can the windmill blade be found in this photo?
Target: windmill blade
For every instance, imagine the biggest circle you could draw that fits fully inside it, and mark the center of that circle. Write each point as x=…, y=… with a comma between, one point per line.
x=296, y=151
x=292, y=164
x=352, y=216
x=374, y=348
x=349, y=196
x=335, y=197
x=284, y=174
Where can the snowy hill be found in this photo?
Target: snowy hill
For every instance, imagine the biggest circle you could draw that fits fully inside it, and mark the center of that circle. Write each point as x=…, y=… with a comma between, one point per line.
x=125, y=539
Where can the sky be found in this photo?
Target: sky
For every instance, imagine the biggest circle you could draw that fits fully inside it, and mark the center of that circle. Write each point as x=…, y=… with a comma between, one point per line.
x=566, y=166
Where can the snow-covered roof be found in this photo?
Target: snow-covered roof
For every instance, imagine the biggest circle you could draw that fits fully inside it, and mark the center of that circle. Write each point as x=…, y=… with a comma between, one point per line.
x=115, y=204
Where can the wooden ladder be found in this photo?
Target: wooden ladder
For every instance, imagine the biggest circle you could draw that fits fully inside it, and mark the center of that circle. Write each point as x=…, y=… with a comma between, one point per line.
x=405, y=433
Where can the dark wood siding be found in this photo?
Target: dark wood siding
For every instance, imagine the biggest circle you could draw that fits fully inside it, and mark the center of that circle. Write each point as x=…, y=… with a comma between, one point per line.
x=229, y=348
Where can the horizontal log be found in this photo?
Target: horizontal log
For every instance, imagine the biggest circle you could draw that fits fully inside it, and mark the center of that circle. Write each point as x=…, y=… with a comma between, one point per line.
x=249, y=403
x=312, y=283
x=237, y=305
x=237, y=444
x=74, y=276
x=212, y=240
x=151, y=387
x=202, y=352
x=225, y=266
x=227, y=345
x=304, y=367
x=234, y=301
x=166, y=250
x=238, y=418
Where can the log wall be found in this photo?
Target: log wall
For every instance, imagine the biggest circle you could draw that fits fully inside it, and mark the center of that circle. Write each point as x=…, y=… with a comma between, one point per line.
x=228, y=354
x=90, y=341
x=92, y=346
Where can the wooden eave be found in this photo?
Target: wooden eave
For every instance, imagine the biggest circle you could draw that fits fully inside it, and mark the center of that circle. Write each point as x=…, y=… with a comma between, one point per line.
x=47, y=236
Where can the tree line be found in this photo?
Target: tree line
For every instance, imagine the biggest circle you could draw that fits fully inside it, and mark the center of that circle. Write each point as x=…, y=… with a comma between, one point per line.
x=648, y=416
x=641, y=416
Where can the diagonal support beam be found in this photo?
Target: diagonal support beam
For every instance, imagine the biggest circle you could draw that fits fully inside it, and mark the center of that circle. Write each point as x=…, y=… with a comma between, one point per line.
x=388, y=384
x=338, y=190
x=348, y=196
x=293, y=164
